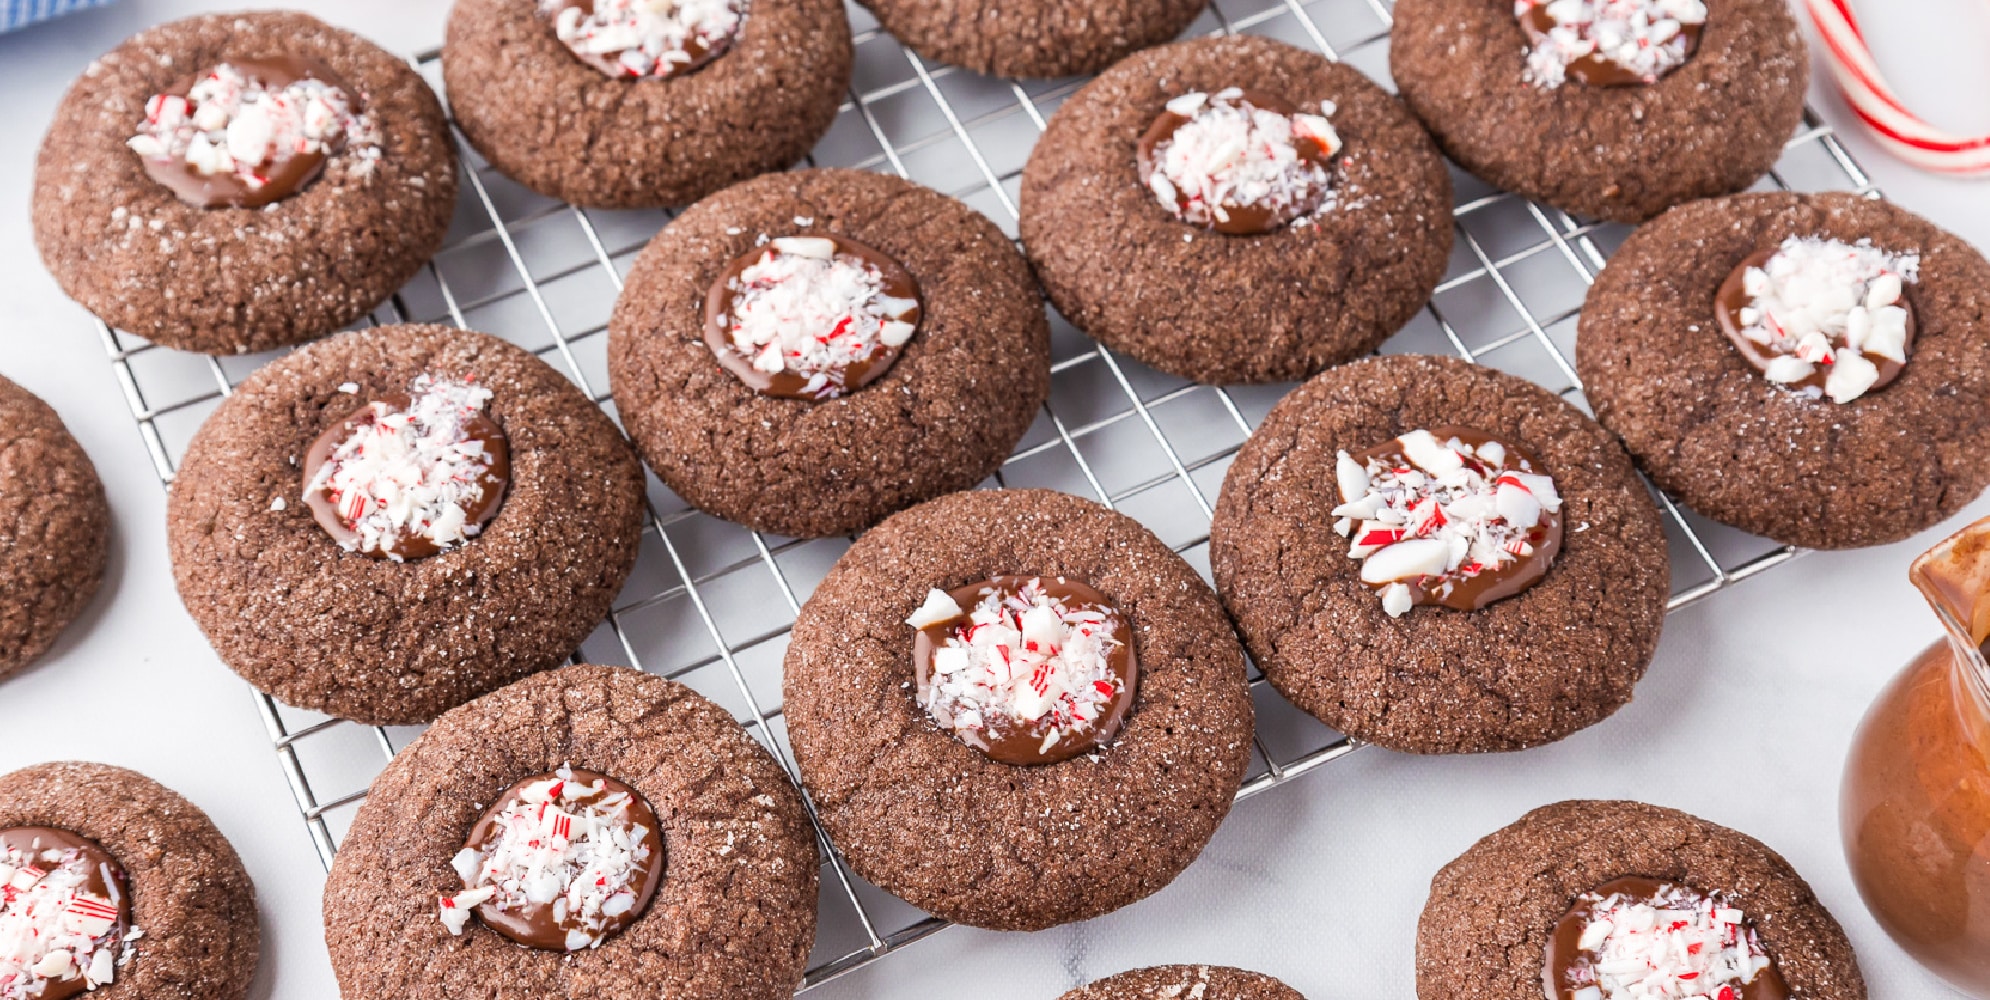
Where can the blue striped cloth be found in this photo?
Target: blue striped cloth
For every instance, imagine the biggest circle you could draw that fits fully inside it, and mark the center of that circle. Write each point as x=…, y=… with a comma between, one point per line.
x=17, y=13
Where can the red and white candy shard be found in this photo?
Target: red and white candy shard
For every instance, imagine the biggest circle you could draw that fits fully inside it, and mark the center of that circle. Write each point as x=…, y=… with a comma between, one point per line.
x=413, y=472
x=1828, y=302
x=1230, y=153
x=231, y=124
x=647, y=37
x=1679, y=945
x=52, y=927
x=1440, y=518
x=1020, y=662
x=804, y=308
x=1641, y=36
x=569, y=845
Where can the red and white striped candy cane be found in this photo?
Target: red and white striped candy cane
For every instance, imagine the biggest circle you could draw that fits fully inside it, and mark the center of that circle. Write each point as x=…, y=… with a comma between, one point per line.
x=1897, y=128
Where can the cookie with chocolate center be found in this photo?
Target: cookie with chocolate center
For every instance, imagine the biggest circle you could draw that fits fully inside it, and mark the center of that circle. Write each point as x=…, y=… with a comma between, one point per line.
x=1032, y=38
x=1440, y=558
x=589, y=831
x=396, y=520
x=55, y=527
x=1173, y=982
x=1614, y=109
x=1616, y=900
x=809, y=351
x=638, y=103
x=1016, y=708
x=1810, y=367
x=1236, y=209
x=118, y=887
x=240, y=182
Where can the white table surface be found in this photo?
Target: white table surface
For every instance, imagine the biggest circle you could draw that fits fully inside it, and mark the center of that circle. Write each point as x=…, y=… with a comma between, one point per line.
x=1319, y=882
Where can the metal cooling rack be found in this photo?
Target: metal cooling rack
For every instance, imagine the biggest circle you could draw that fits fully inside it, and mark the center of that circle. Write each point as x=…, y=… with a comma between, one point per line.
x=698, y=606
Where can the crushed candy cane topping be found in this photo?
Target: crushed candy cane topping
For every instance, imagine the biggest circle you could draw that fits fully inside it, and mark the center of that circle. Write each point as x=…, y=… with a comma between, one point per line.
x=414, y=472
x=1824, y=305
x=1448, y=513
x=809, y=308
x=645, y=38
x=1024, y=659
x=231, y=123
x=1627, y=40
x=1233, y=158
x=53, y=928
x=566, y=851
x=1677, y=944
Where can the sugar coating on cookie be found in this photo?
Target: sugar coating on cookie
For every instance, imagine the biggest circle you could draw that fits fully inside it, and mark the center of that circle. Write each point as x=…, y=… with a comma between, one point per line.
x=1454, y=517
x=1033, y=670
x=1823, y=317
x=1636, y=939
x=811, y=317
x=1239, y=162
x=65, y=915
x=411, y=475
x=1608, y=42
x=250, y=132
x=562, y=861
x=638, y=39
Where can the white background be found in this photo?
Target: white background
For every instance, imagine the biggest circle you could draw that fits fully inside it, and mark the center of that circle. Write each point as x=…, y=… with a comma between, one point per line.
x=1743, y=719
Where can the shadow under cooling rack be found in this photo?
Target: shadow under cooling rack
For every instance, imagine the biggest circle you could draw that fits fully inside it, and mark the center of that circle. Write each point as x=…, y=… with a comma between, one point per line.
x=710, y=603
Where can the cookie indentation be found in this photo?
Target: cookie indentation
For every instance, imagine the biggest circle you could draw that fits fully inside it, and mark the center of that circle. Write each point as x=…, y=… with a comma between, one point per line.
x=251, y=132
x=1026, y=669
x=1608, y=43
x=561, y=862
x=1638, y=938
x=1453, y=517
x=645, y=39
x=65, y=914
x=1237, y=161
x=1822, y=317
x=811, y=317
x=410, y=475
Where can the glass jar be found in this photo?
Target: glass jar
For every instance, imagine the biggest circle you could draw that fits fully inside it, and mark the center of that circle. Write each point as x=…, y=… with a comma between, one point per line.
x=1915, y=807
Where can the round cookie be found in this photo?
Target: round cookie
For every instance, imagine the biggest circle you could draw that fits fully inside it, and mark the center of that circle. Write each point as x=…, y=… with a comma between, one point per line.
x=1525, y=670
x=941, y=418
x=951, y=830
x=1031, y=38
x=1492, y=912
x=563, y=128
x=190, y=898
x=1215, y=307
x=55, y=526
x=1173, y=982
x=1710, y=430
x=733, y=918
x=1712, y=126
x=235, y=280
x=372, y=639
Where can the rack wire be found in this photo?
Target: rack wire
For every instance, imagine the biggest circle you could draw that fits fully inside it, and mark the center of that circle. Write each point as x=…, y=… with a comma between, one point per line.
x=544, y=275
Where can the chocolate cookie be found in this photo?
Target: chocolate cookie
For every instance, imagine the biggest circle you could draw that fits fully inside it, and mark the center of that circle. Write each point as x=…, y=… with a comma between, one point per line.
x=608, y=104
x=429, y=596
x=152, y=208
x=1030, y=37
x=911, y=355
x=1702, y=109
x=1179, y=982
x=731, y=917
x=55, y=527
x=1513, y=911
x=1788, y=460
x=1342, y=513
x=1134, y=751
x=1350, y=258
x=123, y=890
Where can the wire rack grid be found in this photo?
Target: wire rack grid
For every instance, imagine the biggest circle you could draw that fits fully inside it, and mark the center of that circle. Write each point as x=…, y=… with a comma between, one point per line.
x=698, y=607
